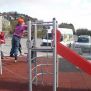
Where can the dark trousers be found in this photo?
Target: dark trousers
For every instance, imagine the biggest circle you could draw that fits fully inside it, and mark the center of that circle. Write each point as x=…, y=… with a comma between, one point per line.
x=2, y=55
x=15, y=46
x=20, y=48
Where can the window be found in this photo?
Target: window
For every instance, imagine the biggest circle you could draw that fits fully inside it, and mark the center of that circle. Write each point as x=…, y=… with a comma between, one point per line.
x=83, y=40
x=48, y=36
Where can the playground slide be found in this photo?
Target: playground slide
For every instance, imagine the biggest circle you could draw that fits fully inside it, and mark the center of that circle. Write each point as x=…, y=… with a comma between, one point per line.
x=74, y=58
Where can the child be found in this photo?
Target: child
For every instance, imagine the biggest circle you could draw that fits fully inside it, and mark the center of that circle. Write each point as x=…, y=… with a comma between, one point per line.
x=2, y=41
x=17, y=35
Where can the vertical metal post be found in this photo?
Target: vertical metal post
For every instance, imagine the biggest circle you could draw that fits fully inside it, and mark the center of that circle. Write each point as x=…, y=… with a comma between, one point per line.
x=35, y=39
x=29, y=56
x=57, y=61
x=54, y=55
x=57, y=70
x=35, y=54
x=0, y=46
x=0, y=60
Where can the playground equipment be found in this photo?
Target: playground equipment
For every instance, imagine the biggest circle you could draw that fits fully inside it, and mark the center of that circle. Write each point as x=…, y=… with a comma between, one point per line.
x=75, y=59
x=35, y=49
x=57, y=48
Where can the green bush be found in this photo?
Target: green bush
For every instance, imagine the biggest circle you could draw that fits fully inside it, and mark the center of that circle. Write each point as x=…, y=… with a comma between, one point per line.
x=40, y=34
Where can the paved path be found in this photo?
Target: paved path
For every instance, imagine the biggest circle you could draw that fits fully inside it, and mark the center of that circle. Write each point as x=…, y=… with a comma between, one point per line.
x=7, y=46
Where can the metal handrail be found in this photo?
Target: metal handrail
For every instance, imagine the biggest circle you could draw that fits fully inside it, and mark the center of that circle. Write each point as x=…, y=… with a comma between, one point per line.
x=39, y=75
x=41, y=65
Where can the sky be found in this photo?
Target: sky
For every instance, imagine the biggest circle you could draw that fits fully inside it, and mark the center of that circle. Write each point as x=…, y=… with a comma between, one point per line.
x=76, y=12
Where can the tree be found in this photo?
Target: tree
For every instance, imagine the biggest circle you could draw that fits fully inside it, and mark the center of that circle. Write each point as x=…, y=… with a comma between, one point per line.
x=5, y=25
x=12, y=25
x=82, y=32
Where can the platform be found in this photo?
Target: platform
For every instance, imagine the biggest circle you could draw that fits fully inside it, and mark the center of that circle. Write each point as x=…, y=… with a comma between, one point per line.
x=15, y=77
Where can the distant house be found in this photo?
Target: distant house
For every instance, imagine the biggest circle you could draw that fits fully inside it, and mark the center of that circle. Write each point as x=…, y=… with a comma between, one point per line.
x=5, y=21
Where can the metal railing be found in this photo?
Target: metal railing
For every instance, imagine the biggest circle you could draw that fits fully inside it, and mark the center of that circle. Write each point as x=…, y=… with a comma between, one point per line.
x=35, y=49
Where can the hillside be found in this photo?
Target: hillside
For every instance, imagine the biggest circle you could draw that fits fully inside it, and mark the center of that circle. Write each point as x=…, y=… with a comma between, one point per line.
x=14, y=15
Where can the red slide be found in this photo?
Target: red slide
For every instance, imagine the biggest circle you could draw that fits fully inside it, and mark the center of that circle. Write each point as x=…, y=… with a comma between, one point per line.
x=72, y=56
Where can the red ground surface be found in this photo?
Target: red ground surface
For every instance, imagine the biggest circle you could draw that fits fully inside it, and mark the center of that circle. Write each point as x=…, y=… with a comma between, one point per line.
x=15, y=77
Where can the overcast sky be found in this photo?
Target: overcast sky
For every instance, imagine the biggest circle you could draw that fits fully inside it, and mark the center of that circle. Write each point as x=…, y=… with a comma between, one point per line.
x=77, y=12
